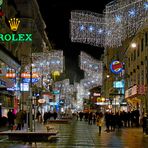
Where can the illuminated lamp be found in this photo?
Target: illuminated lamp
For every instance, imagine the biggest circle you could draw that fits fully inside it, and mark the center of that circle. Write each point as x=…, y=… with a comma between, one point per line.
x=35, y=75
x=55, y=74
x=103, y=99
x=27, y=75
x=41, y=101
x=133, y=45
x=10, y=75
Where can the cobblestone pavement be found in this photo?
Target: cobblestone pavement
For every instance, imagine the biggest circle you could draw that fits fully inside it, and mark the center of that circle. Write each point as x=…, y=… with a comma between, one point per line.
x=79, y=134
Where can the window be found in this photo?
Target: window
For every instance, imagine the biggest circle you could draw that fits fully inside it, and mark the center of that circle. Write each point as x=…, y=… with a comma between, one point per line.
x=142, y=77
x=146, y=38
x=129, y=62
x=138, y=78
x=142, y=44
x=138, y=50
x=147, y=77
x=131, y=56
x=134, y=54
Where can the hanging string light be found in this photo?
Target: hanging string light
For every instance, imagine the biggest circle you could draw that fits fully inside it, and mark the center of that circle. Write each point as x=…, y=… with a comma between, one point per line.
x=121, y=19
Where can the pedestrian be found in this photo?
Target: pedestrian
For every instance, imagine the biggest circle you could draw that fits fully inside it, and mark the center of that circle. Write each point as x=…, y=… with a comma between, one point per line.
x=19, y=120
x=11, y=118
x=55, y=115
x=94, y=118
x=90, y=118
x=38, y=116
x=9, y=115
x=100, y=121
x=144, y=122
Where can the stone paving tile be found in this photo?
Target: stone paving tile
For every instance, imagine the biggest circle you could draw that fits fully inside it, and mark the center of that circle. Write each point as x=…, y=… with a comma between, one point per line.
x=81, y=135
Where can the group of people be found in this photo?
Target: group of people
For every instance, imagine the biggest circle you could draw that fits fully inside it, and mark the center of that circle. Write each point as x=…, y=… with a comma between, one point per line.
x=111, y=120
x=20, y=118
x=46, y=116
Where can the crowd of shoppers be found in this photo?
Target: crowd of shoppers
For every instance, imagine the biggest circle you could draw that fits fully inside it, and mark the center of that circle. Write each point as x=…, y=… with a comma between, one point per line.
x=113, y=121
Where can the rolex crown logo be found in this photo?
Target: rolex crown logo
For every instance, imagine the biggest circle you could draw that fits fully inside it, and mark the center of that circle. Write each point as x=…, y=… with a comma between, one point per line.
x=14, y=23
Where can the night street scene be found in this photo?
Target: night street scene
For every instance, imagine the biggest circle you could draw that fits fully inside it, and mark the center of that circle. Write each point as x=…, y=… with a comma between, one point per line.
x=73, y=74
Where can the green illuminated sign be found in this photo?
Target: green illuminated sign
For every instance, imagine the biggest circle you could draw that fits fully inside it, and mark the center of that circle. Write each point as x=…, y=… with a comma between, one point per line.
x=1, y=2
x=21, y=37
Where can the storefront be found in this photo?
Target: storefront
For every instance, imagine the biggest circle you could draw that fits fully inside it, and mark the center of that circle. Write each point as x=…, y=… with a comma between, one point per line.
x=135, y=97
x=7, y=84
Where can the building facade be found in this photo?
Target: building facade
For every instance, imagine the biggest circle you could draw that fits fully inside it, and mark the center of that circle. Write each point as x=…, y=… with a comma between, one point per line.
x=14, y=56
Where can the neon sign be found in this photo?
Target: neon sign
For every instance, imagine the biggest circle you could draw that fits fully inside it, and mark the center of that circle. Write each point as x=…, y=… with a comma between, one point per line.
x=16, y=37
x=20, y=37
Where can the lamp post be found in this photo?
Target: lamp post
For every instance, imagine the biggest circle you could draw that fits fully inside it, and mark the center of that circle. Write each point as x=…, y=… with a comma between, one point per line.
x=30, y=97
x=0, y=110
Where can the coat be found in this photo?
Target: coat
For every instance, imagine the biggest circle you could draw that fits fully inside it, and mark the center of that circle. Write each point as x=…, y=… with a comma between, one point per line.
x=100, y=121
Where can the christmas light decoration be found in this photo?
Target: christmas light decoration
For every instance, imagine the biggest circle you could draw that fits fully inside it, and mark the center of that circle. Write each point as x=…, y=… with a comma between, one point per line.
x=47, y=62
x=121, y=19
x=93, y=71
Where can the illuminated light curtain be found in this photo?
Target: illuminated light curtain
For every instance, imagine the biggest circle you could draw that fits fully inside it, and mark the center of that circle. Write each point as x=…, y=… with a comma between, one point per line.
x=93, y=71
x=87, y=27
x=121, y=19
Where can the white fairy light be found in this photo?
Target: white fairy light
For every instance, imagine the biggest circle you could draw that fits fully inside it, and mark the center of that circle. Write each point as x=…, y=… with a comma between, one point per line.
x=121, y=19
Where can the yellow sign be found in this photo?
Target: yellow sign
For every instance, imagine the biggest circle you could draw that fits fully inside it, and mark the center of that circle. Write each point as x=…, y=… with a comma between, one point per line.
x=14, y=23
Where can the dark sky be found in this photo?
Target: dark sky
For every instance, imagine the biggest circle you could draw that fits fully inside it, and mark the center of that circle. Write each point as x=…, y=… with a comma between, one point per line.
x=56, y=14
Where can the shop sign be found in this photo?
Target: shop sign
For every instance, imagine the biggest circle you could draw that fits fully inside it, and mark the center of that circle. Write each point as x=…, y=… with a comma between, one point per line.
x=1, y=2
x=116, y=67
x=131, y=92
x=141, y=89
x=118, y=84
x=20, y=37
x=96, y=94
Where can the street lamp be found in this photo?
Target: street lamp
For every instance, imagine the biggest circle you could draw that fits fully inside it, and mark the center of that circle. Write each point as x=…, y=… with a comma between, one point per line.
x=133, y=45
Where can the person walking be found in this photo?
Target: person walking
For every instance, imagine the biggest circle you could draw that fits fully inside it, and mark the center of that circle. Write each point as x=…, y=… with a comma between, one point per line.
x=19, y=120
x=100, y=121
x=144, y=124
x=10, y=116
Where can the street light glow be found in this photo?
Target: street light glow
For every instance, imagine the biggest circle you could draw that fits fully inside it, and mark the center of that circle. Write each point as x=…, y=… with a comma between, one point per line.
x=133, y=45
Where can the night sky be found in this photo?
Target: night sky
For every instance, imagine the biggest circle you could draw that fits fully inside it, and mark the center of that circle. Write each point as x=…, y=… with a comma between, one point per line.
x=56, y=14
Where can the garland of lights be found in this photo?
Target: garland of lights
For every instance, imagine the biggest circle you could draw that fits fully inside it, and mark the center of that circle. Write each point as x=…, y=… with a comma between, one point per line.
x=93, y=71
x=121, y=19
x=89, y=64
x=47, y=62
